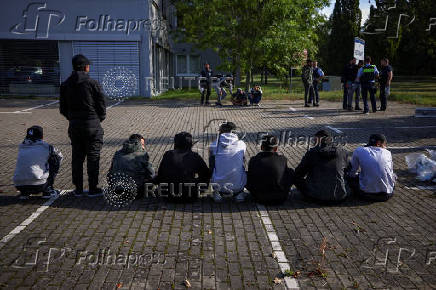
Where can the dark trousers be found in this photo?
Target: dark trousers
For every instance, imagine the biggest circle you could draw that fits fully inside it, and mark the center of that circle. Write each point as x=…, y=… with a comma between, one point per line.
x=35, y=189
x=369, y=88
x=87, y=141
x=383, y=97
x=345, y=97
x=206, y=91
x=353, y=182
x=308, y=91
x=315, y=95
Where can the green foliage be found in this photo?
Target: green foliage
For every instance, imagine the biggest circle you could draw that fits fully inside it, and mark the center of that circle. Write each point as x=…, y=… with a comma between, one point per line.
x=249, y=34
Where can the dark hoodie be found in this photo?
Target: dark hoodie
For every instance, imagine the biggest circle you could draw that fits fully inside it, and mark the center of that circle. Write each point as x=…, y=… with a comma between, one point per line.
x=133, y=160
x=82, y=98
x=320, y=174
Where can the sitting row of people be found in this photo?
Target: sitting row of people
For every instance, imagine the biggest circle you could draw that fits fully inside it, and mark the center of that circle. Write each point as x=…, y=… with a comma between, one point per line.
x=241, y=98
x=326, y=173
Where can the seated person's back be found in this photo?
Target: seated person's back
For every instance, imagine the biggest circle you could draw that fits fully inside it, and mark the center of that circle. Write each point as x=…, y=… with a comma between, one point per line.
x=182, y=168
x=376, y=178
x=133, y=160
x=227, y=160
x=321, y=173
x=268, y=178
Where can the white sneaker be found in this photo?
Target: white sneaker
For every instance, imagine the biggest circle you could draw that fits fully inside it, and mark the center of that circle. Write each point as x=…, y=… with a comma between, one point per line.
x=242, y=196
x=217, y=197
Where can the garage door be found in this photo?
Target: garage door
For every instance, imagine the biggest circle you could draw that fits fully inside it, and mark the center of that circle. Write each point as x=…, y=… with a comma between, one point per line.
x=114, y=64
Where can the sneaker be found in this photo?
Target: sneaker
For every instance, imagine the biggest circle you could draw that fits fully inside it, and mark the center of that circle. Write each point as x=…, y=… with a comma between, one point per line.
x=350, y=109
x=78, y=193
x=217, y=197
x=96, y=192
x=358, y=109
x=23, y=197
x=316, y=105
x=258, y=104
x=218, y=104
x=366, y=112
x=306, y=105
x=50, y=193
x=242, y=196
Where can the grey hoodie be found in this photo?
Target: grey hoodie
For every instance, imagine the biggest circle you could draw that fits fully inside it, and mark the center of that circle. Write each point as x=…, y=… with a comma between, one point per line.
x=32, y=162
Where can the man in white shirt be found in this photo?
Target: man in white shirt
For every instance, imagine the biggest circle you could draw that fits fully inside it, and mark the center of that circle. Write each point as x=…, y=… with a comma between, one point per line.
x=226, y=159
x=376, y=180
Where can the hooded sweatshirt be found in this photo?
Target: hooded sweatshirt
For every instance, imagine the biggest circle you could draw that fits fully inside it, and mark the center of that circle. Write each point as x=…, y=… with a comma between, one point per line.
x=82, y=98
x=320, y=173
x=33, y=162
x=133, y=161
x=228, y=170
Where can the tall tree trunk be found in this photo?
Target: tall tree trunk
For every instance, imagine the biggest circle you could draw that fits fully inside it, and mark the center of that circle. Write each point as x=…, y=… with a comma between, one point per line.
x=248, y=79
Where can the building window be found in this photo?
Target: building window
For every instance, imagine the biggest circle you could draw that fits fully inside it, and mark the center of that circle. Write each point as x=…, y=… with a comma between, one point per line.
x=188, y=64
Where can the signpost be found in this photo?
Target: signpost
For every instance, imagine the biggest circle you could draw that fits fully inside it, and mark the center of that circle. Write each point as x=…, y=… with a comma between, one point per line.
x=359, y=48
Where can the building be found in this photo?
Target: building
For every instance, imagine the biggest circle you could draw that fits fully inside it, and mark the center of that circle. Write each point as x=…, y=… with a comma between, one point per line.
x=127, y=42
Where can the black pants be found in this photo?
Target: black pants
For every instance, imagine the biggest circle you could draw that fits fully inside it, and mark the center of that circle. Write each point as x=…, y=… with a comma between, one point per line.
x=206, y=90
x=35, y=189
x=308, y=91
x=345, y=97
x=383, y=97
x=369, y=88
x=87, y=141
x=353, y=182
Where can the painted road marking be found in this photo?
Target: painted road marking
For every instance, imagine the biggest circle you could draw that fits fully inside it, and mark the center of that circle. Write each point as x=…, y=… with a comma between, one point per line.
x=40, y=106
x=278, y=253
x=388, y=128
x=29, y=220
x=309, y=117
x=334, y=129
x=116, y=104
x=292, y=109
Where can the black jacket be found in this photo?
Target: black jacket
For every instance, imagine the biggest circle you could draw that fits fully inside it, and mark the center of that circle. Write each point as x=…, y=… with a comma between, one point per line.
x=269, y=178
x=320, y=174
x=349, y=73
x=181, y=167
x=208, y=75
x=82, y=98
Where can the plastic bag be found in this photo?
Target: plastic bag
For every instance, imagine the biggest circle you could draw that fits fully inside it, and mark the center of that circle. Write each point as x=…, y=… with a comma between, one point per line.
x=424, y=167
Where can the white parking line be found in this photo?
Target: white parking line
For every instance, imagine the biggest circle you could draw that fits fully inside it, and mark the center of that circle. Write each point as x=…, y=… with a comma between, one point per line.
x=40, y=106
x=29, y=220
x=419, y=187
x=334, y=129
x=309, y=117
x=278, y=254
x=16, y=112
x=116, y=104
x=292, y=109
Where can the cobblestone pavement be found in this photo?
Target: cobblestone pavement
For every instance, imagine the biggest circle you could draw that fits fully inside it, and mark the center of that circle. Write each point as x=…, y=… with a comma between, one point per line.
x=83, y=243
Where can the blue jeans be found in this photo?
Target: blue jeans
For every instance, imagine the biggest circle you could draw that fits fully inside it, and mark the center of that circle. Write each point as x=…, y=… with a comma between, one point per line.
x=255, y=98
x=314, y=95
x=354, y=88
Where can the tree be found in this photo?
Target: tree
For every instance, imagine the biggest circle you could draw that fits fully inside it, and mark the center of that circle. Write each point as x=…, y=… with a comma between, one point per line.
x=345, y=26
x=251, y=33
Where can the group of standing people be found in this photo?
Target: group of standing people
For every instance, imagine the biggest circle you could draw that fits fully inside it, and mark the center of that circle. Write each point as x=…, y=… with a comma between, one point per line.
x=311, y=77
x=360, y=79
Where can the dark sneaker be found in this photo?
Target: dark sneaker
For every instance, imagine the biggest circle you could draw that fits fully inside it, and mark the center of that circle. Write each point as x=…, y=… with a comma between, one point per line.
x=78, y=193
x=306, y=105
x=218, y=104
x=358, y=109
x=316, y=105
x=23, y=197
x=96, y=192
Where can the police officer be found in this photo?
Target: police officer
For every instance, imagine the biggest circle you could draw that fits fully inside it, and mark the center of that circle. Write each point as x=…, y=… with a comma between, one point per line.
x=82, y=102
x=206, y=84
x=367, y=75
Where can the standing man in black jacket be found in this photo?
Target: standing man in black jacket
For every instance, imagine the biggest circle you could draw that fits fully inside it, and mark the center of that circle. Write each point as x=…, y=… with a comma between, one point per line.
x=82, y=102
x=206, y=84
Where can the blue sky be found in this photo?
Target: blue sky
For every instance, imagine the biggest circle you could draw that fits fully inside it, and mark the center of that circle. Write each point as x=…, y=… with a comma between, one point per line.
x=364, y=7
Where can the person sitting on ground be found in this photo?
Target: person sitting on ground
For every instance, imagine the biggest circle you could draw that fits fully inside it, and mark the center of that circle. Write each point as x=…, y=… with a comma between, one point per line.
x=226, y=160
x=269, y=178
x=183, y=170
x=320, y=176
x=239, y=98
x=255, y=95
x=133, y=161
x=38, y=164
x=376, y=180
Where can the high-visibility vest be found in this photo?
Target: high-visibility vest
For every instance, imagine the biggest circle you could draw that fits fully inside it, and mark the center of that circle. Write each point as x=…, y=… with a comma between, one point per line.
x=368, y=74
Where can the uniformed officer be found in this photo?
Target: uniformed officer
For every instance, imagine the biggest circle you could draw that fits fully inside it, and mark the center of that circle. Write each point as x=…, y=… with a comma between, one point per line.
x=82, y=102
x=367, y=76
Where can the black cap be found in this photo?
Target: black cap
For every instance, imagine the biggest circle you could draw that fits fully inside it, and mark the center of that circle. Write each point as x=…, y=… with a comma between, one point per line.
x=227, y=127
x=134, y=137
x=80, y=61
x=183, y=140
x=374, y=138
x=34, y=133
x=269, y=142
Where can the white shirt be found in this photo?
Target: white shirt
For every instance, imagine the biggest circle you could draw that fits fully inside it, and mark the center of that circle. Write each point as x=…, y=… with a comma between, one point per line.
x=376, y=169
x=229, y=172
